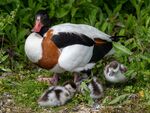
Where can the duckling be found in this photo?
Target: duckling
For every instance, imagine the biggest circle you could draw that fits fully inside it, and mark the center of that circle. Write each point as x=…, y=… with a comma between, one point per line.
x=94, y=86
x=57, y=95
x=114, y=72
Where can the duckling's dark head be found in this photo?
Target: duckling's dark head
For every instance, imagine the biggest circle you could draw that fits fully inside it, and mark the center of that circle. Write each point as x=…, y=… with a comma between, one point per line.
x=114, y=68
x=114, y=65
x=115, y=72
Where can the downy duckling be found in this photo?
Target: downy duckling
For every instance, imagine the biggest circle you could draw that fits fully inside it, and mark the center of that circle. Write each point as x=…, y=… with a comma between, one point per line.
x=57, y=95
x=96, y=88
x=114, y=72
x=94, y=85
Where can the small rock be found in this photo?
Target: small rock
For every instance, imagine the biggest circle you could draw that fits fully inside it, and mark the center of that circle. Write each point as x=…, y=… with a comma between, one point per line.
x=75, y=109
x=9, y=102
x=8, y=110
x=1, y=103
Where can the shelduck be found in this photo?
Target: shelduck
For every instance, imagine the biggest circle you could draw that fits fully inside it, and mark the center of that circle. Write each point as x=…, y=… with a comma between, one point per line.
x=66, y=47
x=114, y=72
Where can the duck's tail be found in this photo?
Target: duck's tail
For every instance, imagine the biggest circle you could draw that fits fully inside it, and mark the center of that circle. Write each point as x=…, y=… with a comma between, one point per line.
x=116, y=38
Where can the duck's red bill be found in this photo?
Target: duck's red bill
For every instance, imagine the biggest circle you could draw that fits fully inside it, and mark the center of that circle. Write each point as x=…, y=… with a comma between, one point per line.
x=37, y=27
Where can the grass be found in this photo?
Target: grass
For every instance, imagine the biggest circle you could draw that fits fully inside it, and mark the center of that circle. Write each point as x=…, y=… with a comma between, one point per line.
x=129, y=18
x=25, y=90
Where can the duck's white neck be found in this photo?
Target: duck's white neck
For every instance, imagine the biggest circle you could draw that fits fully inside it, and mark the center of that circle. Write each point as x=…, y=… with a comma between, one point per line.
x=33, y=47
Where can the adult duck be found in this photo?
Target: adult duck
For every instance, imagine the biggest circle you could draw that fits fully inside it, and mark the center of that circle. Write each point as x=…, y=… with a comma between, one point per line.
x=66, y=47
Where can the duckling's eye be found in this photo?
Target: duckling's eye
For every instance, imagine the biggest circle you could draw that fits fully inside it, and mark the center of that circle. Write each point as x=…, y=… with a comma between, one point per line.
x=114, y=65
x=111, y=73
x=69, y=88
x=66, y=94
x=123, y=69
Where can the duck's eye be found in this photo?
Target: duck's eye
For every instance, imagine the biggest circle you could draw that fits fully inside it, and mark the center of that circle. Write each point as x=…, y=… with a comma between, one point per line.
x=38, y=18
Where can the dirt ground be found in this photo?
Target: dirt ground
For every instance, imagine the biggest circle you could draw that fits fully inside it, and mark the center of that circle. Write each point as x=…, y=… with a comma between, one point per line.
x=7, y=105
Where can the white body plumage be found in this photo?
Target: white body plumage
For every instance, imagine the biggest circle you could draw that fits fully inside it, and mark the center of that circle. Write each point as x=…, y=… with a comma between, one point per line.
x=33, y=47
x=73, y=58
x=81, y=29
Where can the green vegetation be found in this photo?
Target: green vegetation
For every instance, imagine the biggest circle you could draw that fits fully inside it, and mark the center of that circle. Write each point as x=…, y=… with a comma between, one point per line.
x=122, y=17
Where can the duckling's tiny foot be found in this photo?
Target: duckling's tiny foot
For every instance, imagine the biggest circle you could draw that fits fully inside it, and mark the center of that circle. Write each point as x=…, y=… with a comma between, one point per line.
x=49, y=80
x=78, y=77
x=96, y=106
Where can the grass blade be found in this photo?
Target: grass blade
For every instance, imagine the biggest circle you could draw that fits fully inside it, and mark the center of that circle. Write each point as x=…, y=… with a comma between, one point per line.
x=122, y=48
x=118, y=99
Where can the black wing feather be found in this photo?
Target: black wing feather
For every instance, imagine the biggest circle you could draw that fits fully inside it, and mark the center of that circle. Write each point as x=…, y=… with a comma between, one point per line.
x=64, y=39
x=100, y=51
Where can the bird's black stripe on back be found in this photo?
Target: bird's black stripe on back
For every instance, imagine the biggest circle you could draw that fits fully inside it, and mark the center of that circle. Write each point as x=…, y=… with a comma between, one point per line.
x=100, y=51
x=57, y=92
x=64, y=39
x=45, y=96
x=96, y=89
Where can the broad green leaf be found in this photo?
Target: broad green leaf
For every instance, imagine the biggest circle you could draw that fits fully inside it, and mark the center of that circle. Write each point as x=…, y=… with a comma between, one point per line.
x=61, y=12
x=97, y=25
x=87, y=92
x=22, y=33
x=84, y=86
x=118, y=99
x=89, y=0
x=5, y=69
x=52, y=9
x=117, y=9
x=144, y=57
x=122, y=48
x=122, y=32
x=3, y=58
x=130, y=74
x=106, y=100
x=5, y=2
x=14, y=32
x=109, y=12
x=148, y=22
x=92, y=16
x=104, y=26
x=73, y=11
x=110, y=27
